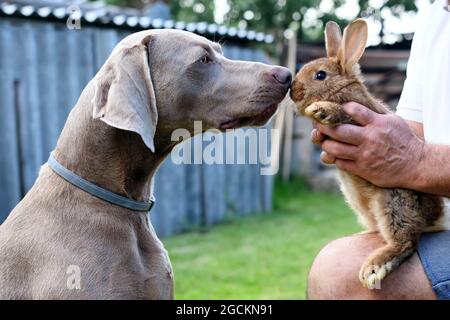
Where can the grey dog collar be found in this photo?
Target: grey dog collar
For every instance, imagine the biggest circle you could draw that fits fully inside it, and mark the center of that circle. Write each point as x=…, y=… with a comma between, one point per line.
x=97, y=191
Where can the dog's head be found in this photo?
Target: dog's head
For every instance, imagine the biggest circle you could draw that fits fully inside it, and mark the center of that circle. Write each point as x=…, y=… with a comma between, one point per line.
x=169, y=79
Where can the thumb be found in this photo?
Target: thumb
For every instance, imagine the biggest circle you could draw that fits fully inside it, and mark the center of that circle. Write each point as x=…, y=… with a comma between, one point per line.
x=359, y=113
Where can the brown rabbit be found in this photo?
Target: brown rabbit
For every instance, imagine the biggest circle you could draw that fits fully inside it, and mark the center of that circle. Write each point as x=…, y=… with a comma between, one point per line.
x=400, y=216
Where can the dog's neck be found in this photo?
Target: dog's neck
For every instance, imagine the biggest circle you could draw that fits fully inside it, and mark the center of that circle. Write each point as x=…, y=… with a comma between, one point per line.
x=113, y=159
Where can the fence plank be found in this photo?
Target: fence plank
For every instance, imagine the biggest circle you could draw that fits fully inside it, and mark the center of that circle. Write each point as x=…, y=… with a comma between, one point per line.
x=104, y=43
x=9, y=163
x=84, y=57
x=214, y=182
x=169, y=215
x=267, y=181
x=48, y=95
x=193, y=186
x=27, y=97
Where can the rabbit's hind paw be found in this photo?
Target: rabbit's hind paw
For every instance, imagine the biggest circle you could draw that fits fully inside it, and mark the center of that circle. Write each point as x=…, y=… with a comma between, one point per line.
x=381, y=263
x=372, y=274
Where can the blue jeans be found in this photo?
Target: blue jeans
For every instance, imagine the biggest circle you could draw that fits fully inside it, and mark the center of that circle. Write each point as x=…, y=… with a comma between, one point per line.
x=434, y=252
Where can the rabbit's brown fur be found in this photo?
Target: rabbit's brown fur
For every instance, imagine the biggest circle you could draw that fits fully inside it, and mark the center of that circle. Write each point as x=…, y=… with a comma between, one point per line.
x=400, y=216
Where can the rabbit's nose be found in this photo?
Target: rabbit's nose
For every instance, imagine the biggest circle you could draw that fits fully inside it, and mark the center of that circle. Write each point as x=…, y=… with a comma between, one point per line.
x=282, y=76
x=297, y=91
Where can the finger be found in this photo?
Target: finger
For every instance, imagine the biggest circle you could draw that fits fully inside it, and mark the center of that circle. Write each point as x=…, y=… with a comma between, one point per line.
x=317, y=137
x=340, y=150
x=359, y=113
x=346, y=165
x=327, y=158
x=345, y=133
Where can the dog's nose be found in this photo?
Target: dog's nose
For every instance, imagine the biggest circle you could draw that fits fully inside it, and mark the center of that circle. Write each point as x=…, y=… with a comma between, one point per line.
x=282, y=76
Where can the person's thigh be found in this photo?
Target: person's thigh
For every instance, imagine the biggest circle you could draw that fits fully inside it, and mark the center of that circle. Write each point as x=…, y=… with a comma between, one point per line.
x=334, y=274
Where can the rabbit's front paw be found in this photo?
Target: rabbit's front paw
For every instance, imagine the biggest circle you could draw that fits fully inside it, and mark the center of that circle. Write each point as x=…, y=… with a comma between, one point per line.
x=327, y=113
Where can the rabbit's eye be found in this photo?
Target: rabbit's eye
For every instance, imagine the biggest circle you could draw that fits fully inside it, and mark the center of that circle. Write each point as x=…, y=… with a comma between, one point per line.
x=320, y=75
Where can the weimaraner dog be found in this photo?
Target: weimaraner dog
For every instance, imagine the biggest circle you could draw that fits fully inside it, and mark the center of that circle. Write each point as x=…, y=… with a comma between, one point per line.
x=62, y=242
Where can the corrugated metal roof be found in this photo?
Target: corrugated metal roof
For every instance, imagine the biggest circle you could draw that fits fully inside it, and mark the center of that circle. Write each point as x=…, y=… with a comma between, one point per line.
x=99, y=13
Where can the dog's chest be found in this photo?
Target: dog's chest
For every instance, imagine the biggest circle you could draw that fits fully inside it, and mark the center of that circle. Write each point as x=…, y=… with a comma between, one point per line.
x=145, y=272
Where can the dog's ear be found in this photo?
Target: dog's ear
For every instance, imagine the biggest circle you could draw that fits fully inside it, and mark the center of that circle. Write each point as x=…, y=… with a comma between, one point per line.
x=333, y=38
x=124, y=94
x=353, y=44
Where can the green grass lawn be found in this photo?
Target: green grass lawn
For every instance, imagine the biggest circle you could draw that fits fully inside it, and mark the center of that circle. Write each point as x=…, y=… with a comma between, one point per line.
x=263, y=256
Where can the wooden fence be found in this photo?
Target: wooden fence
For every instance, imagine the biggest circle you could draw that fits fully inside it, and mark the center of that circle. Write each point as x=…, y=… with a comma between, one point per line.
x=43, y=69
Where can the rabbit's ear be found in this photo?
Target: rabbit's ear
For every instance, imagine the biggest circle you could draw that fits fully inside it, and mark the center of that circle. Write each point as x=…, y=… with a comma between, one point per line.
x=353, y=44
x=333, y=38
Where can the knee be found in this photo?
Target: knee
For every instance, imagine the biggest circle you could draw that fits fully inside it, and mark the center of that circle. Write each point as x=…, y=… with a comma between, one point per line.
x=334, y=273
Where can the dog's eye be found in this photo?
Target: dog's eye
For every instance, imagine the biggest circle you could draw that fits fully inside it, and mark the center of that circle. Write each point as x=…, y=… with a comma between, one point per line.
x=206, y=59
x=320, y=75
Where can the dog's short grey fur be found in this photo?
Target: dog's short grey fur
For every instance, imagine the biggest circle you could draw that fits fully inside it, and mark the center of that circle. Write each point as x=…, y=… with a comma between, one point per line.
x=116, y=136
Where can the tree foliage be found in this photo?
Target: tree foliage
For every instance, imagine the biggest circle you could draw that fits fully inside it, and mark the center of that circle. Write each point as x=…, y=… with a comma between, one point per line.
x=275, y=16
x=126, y=3
x=309, y=16
x=193, y=10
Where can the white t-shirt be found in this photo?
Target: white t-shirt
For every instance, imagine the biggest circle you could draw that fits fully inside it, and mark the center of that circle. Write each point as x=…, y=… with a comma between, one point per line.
x=426, y=94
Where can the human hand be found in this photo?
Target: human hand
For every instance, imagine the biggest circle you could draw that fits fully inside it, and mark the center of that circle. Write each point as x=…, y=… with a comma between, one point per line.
x=318, y=138
x=383, y=150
